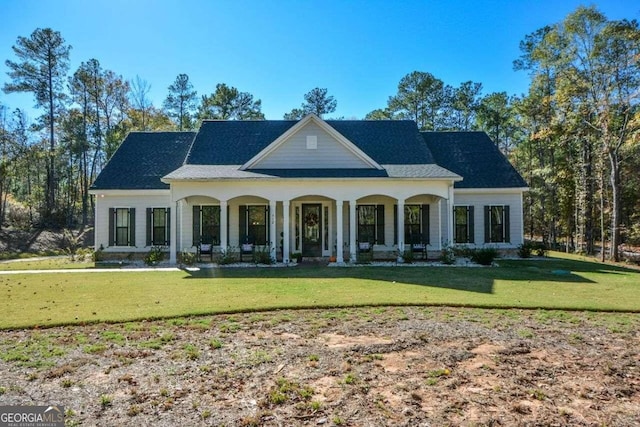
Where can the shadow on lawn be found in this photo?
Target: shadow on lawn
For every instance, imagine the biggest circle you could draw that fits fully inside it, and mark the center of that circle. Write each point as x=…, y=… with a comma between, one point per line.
x=470, y=279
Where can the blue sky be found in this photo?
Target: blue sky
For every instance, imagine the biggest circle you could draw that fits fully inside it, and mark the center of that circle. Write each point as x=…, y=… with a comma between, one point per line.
x=279, y=50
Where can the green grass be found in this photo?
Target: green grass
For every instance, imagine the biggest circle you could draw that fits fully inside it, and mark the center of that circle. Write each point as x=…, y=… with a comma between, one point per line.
x=28, y=300
x=56, y=263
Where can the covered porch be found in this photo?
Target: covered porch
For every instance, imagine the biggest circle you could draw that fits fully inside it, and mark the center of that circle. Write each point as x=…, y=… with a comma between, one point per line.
x=314, y=218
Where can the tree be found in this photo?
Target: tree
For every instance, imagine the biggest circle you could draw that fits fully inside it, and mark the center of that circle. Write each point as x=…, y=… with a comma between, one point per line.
x=228, y=103
x=317, y=102
x=139, y=98
x=42, y=67
x=181, y=102
x=495, y=117
x=465, y=102
x=420, y=97
x=379, y=114
x=593, y=64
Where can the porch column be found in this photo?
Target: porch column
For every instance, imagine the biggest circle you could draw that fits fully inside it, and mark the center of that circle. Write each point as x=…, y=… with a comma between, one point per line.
x=272, y=229
x=353, y=226
x=439, y=224
x=173, y=237
x=450, y=216
x=224, y=220
x=286, y=207
x=339, y=231
x=401, y=225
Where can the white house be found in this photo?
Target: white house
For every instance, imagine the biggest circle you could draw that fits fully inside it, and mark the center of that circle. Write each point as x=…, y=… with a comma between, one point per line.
x=323, y=188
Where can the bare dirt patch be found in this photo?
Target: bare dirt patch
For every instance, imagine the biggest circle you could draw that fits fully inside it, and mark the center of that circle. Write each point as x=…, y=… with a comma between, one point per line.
x=360, y=367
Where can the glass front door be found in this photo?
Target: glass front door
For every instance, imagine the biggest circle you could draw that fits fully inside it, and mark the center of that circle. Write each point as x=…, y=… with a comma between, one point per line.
x=312, y=230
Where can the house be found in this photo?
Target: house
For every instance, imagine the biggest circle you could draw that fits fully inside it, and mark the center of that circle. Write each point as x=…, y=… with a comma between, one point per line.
x=320, y=187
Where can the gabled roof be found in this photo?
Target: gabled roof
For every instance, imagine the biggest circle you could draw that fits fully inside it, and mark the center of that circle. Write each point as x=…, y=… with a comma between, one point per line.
x=475, y=157
x=142, y=159
x=351, y=148
x=236, y=142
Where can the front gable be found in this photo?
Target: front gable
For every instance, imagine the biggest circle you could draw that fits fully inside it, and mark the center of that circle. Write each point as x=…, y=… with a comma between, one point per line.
x=311, y=144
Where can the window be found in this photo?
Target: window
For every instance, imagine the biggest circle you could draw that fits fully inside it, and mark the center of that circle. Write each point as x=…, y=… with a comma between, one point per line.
x=206, y=225
x=122, y=226
x=254, y=224
x=157, y=226
x=370, y=224
x=463, y=223
x=416, y=224
x=496, y=224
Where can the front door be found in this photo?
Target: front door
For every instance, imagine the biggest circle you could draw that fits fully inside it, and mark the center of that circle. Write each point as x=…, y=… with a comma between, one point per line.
x=312, y=230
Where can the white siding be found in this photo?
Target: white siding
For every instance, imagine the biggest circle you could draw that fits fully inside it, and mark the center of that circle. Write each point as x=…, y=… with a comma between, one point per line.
x=294, y=153
x=480, y=200
x=140, y=203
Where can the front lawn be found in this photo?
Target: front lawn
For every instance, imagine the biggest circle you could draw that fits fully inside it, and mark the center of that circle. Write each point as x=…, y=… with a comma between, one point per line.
x=52, y=299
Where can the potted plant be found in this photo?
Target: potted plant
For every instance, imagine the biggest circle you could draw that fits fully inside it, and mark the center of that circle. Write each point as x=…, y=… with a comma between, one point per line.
x=296, y=256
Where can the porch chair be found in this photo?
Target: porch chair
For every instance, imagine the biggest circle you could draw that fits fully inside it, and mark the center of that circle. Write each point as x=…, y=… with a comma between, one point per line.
x=204, y=249
x=365, y=251
x=418, y=247
x=246, y=248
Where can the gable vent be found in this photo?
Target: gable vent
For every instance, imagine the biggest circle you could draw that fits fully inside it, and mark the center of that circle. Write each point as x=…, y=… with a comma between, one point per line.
x=312, y=142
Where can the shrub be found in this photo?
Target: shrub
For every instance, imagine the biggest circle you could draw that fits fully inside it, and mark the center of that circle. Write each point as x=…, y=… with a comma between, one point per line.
x=484, y=256
x=187, y=258
x=540, y=249
x=154, y=256
x=447, y=256
x=262, y=255
x=297, y=256
x=525, y=249
x=228, y=256
x=407, y=256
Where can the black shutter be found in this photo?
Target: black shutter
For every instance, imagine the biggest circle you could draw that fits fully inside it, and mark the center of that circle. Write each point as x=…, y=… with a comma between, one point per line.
x=196, y=225
x=132, y=226
x=395, y=224
x=507, y=225
x=470, y=224
x=112, y=223
x=149, y=226
x=487, y=231
x=380, y=225
x=228, y=221
x=242, y=225
x=425, y=224
x=167, y=215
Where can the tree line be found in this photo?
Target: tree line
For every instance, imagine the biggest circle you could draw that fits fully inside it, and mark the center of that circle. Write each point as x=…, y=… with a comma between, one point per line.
x=574, y=135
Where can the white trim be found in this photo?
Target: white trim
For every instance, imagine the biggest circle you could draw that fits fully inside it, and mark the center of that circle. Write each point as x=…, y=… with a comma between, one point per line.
x=514, y=190
x=124, y=192
x=298, y=126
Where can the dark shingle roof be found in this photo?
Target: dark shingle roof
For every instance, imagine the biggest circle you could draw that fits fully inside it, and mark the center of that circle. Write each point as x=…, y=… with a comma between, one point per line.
x=475, y=157
x=236, y=142
x=142, y=159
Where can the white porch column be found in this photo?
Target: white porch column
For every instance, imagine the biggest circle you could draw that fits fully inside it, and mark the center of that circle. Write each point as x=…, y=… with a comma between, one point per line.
x=353, y=226
x=173, y=237
x=401, y=225
x=286, y=227
x=272, y=229
x=439, y=224
x=450, y=203
x=339, y=231
x=224, y=220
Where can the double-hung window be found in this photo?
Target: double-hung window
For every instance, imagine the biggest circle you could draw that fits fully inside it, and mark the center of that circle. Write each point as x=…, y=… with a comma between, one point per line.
x=122, y=226
x=463, y=223
x=416, y=224
x=370, y=224
x=496, y=224
x=206, y=225
x=158, y=226
x=254, y=224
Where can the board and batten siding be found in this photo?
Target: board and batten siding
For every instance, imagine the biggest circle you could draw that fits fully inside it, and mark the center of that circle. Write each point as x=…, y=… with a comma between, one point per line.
x=328, y=154
x=140, y=203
